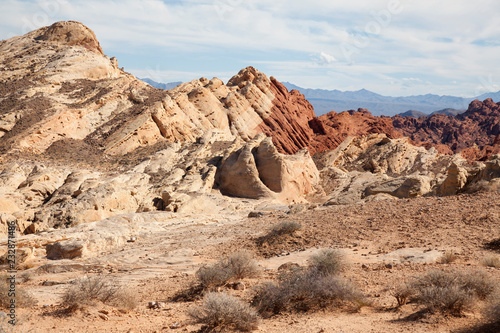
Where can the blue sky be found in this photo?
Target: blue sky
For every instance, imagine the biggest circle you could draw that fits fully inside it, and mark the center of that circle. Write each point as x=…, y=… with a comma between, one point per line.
x=391, y=47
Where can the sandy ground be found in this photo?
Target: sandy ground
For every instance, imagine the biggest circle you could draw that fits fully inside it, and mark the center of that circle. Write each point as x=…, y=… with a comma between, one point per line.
x=384, y=244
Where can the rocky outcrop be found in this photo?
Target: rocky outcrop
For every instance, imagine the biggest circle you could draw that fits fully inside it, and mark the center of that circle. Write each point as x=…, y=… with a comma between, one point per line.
x=333, y=128
x=475, y=132
x=256, y=170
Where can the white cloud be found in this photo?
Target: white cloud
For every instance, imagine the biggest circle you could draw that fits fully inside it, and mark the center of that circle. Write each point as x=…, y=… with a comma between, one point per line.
x=433, y=41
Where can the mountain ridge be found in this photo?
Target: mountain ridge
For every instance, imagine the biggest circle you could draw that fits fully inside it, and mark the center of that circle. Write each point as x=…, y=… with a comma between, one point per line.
x=325, y=101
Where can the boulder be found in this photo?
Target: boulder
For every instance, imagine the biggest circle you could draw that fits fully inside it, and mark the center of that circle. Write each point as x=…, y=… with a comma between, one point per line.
x=256, y=170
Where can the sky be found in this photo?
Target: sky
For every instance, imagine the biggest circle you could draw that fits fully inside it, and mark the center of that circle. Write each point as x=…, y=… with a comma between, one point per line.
x=391, y=47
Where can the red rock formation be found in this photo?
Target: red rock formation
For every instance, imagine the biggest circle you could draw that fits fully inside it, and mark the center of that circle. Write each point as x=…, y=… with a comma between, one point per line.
x=474, y=133
x=288, y=123
x=332, y=128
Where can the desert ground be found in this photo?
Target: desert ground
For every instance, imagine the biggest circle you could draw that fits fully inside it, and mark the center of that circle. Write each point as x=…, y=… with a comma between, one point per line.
x=383, y=244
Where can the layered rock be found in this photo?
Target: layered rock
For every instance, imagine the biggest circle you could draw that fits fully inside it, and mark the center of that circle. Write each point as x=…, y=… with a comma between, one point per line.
x=258, y=171
x=476, y=132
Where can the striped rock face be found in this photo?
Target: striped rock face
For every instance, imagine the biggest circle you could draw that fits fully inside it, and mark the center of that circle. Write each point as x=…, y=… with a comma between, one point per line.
x=57, y=84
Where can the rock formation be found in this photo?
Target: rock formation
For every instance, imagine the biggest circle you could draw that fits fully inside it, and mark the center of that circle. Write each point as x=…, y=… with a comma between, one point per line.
x=82, y=141
x=476, y=132
x=257, y=171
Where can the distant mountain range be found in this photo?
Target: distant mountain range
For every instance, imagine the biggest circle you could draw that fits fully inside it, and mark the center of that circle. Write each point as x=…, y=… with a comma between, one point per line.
x=325, y=101
x=159, y=85
x=418, y=114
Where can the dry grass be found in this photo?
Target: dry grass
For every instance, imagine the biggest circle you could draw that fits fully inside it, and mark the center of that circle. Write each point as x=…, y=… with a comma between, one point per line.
x=446, y=292
x=284, y=228
x=88, y=291
x=491, y=261
x=237, y=266
x=448, y=257
x=22, y=298
x=304, y=289
x=326, y=262
x=221, y=310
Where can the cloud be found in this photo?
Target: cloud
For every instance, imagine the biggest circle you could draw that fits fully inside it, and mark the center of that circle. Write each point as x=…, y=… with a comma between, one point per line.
x=437, y=42
x=325, y=59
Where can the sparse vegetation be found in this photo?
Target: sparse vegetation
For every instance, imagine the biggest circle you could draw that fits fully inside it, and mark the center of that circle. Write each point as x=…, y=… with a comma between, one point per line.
x=23, y=298
x=493, y=310
x=491, y=261
x=448, y=257
x=237, y=266
x=221, y=310
x=284, y=228
x=448, y=292
x=305, y=289
x=89, y=290
x=326, y=262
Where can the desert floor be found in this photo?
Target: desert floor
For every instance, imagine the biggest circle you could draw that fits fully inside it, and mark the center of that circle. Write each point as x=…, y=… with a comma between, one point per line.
x=384, y=244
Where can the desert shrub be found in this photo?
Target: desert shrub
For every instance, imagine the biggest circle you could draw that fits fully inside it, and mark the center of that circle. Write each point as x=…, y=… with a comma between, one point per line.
x=214, y=275
x=306, y=289
x=491, y=261
x=493, y=310
x=447, y=257
x=284, y=228
x=403, y=293
x=241, y=265
x=237, y=266
x=23, y=298
x=449, y=292
x=326, y=262
x=89, y=290
x=222, y=310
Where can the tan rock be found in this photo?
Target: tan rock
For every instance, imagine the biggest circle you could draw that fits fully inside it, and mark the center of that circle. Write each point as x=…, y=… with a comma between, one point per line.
x=455, y=181
x=257, y=171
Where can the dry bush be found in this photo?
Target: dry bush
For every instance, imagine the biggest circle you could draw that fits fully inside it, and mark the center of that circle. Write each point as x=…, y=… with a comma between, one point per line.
x=23, y=298
x=237, y=266
x=448, y=292
x=211, y=276
x=304, y=290
x=326, y=262
x=491, y=261
x=221, y=310
x=448, y=257
x=403, y=293
x=493, y=310
x=284, y=228
x=90, y=290
x=241, y=265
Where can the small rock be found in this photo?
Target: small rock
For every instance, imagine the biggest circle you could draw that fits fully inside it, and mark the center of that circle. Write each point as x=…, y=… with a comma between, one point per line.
x=49, y=283
x=255, y=214
x=106, y=312
x=364, y=266
x=388, y=266
x=239, y=286
x=175, y=325
x=288, y=266
x=103, y=316
x=132, y=240
x=152, y=305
